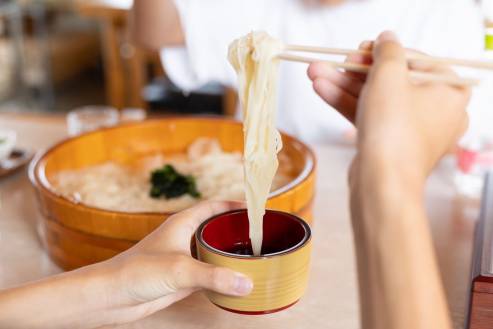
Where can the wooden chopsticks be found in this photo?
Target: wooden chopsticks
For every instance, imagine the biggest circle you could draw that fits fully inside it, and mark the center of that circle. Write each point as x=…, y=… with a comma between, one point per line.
x=410, y=56
x=363, y=68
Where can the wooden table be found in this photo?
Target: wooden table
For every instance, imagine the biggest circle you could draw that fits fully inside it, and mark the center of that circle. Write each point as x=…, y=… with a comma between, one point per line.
x=331, y=299
x=124, y=63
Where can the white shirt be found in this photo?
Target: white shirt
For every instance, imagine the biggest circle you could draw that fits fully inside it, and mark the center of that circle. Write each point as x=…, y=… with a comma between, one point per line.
x=440, y=27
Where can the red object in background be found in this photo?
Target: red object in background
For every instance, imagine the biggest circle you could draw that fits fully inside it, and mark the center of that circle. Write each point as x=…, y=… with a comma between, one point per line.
x=467, y=159
x=229, y=232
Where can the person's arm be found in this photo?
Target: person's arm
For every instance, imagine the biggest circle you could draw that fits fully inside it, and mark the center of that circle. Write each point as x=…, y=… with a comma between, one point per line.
x=75, y=299
x=398, y=277
x=404, y=129
x=153, y=274
x=156, y=24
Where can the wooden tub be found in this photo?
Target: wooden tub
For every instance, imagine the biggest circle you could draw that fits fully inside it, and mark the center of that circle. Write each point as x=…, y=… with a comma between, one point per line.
x=76, y=234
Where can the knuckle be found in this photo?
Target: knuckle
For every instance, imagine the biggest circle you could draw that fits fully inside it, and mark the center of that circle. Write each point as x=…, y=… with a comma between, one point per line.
x=217, y=278
x=314, y=70
x=320, y=86
x=172, y=220
x=310, y=71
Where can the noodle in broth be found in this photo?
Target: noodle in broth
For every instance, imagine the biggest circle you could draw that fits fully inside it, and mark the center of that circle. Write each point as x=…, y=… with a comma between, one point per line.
x=254, y=57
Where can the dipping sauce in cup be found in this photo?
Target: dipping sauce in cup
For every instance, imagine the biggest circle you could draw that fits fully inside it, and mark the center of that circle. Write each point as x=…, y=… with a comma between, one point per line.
x=279, y=275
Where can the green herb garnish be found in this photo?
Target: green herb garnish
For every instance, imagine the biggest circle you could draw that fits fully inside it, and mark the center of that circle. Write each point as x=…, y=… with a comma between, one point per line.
x=171, y=184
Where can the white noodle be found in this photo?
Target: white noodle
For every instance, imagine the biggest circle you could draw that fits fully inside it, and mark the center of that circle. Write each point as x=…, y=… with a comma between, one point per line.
x=254, y=58
x=114, y=186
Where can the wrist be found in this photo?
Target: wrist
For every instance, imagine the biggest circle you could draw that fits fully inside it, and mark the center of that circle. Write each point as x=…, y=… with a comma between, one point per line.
x=386, y=169
x=380, y=189
x=102, y=295
x=74, y=299
x=90, y=288
x=393, y=243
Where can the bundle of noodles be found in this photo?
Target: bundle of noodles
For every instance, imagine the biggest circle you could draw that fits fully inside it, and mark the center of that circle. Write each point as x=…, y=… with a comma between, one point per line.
x=254, y=57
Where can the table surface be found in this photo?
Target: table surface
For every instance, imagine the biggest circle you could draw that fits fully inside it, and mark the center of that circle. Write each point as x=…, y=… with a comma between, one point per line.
x=331, y=299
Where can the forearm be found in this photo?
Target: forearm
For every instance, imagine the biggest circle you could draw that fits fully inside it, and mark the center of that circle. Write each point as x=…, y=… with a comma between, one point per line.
x=156, y=24
x=70, y=300
x=399, y=280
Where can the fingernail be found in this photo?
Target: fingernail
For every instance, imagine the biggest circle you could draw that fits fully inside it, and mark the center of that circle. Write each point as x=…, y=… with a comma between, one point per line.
x=387, y=36
x=242, y=285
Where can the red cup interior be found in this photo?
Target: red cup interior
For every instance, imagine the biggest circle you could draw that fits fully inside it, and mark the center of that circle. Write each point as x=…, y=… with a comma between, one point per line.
x=228, y=233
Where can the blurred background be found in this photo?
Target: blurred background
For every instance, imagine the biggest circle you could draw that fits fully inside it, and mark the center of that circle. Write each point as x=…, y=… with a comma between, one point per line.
x=56, y=55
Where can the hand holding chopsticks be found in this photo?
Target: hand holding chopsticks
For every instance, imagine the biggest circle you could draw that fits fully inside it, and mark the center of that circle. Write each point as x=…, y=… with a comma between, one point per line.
x=403, y=132
x=411, y=57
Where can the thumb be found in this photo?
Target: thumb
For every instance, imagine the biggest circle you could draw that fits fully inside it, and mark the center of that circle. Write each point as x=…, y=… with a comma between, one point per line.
x=177, y=229
x=389, y=58
x=192, y=273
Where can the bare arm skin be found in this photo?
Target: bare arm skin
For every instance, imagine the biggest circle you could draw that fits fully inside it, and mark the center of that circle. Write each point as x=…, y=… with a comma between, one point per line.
x=403, y=131
x=398, y=276
x=156, y=24
x=150, y=276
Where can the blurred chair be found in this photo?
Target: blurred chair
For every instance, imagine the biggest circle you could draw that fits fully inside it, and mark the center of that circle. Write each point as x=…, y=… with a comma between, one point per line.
x=41, y=78
x=134, y=77
x=11, y=53
x=124, y=64
x=60, y=46
x=51, y=45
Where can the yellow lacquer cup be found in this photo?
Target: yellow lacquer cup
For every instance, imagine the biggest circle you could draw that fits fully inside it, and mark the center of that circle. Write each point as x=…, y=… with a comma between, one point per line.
x=279, y=274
